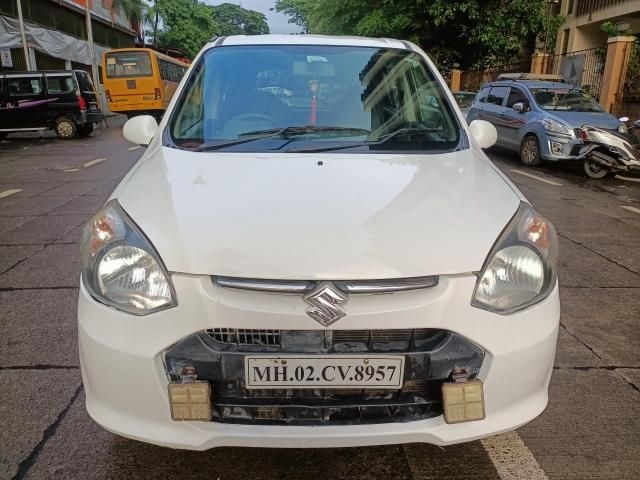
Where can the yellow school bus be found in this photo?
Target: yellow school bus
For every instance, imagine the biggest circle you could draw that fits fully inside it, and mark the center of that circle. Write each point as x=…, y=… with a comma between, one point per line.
x=140, y=80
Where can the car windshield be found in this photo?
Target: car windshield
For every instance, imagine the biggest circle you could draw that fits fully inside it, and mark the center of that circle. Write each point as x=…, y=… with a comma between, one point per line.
x=568, y=99
x=464, y=99
x=302, y=98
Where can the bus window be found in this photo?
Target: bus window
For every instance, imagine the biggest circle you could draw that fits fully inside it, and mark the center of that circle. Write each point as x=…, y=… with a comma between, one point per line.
x=128, y=64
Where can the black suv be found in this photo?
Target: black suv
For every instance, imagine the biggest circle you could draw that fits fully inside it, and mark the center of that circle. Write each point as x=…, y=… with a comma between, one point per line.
x=62, y=100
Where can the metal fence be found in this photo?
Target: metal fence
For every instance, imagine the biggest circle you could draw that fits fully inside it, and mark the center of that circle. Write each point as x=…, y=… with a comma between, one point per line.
x=583, y=69
x=472, y=80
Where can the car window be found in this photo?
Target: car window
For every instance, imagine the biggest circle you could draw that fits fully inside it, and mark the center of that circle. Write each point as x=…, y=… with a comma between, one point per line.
x=565, y=98
x=516, y=95
x=84, y=81
x=497, y=95
x=128, y=64
x=464, y=99
x=236, y=91
x=482, y=95
x=59, y=84
x=23, y=86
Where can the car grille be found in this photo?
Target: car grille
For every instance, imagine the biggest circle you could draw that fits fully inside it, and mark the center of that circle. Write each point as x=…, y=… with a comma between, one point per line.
x=218, y=357
x=401, y=339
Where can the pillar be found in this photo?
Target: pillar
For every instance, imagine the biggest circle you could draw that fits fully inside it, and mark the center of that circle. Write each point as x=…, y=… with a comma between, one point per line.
x=456, y=79
x=618, y=51
x=539, y=62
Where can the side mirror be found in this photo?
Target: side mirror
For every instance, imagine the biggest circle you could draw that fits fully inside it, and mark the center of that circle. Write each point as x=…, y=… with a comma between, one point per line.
x=519, y=107
x=140, y=130
x=484, y=133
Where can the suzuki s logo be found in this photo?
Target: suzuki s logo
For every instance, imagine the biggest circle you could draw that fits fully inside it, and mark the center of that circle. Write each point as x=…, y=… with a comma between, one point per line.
x=326, y=300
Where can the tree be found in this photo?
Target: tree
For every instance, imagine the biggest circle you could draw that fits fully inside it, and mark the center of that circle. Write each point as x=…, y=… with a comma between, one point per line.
x=186, y=24
x=234, y=20
x=298, y=12
x=468, y=32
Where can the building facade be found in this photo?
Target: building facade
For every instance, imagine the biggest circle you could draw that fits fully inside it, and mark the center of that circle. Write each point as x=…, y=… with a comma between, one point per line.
x=56, y=33
x=582, y=28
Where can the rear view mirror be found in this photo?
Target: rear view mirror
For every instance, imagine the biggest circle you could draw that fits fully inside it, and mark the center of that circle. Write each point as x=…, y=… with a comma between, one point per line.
x=312, y=69
x=484, y=133
x=140, y=130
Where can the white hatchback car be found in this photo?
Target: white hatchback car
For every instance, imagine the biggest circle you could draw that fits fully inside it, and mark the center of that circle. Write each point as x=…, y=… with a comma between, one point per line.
x=314, y=251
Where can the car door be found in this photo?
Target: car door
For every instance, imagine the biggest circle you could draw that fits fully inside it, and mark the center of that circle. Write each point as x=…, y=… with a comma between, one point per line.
x=512, y=120
x=475, y=112
x=3, y=104
x=27, y=106
x=493, y=108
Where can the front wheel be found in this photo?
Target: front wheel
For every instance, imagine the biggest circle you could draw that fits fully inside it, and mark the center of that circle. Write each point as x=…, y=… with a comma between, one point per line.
x=594, y=169
x=65, y=128
x=530, y=151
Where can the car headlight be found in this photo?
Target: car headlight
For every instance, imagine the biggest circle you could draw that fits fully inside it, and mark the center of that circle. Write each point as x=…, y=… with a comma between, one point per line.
x=120, y=267
x=521, y=268
x=623, y=128
x=555, y=127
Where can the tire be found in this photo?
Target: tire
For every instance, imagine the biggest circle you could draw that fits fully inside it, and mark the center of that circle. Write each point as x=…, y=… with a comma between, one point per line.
x=65, y=128
x=85, y=130
x=594, y=169
x=530, y=151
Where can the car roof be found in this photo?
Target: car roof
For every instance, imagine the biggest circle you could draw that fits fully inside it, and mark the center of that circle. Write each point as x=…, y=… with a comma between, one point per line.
x=310, y=40
x=40, y=72
x=529, y=84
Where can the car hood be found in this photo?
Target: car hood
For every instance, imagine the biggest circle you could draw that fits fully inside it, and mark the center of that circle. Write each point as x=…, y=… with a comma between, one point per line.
x=318, y=216
x=578, y=119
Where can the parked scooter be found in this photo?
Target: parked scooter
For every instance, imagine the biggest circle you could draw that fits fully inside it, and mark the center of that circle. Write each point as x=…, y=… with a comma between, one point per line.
x=606, y=152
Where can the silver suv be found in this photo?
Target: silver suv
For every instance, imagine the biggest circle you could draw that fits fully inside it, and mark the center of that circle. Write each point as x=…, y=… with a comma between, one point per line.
x=538, y=117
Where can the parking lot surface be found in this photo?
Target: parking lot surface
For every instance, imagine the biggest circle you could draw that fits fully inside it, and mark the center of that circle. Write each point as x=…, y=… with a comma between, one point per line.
x=590, y=430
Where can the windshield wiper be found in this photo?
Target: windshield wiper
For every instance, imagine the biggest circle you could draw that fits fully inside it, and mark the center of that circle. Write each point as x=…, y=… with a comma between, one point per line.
x=285, y=133
x=383, y=139
x=288, y=132
x=409, y=131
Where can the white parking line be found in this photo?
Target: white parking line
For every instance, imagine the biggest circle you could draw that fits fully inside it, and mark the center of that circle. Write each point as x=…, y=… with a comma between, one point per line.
x=6, y=193
x=631, y=209
x=540, y=179
x=93, y=162
x=134, y=148
x=628, y=179
x=69, y=170
x=512, y=459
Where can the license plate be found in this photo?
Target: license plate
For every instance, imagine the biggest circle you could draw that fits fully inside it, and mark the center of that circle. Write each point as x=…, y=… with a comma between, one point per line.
x=93, y=108
x=295, y=372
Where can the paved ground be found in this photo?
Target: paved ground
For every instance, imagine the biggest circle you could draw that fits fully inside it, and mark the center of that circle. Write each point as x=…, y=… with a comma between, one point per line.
x=591, y=429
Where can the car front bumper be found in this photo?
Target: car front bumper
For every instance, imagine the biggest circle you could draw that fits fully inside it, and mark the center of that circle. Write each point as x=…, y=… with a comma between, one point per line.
x=555, y=147
x=126, y=382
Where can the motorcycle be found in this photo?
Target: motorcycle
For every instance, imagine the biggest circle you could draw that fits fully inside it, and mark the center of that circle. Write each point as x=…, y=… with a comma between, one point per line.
x=604, y=152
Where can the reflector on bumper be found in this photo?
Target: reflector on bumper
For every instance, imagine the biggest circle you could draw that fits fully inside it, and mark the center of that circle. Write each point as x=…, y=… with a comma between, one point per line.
x=190, y=401
x=463, y=402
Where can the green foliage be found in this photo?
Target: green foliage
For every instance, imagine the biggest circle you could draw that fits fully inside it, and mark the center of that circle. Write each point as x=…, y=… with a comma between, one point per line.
x=189, y=24
x=609, y=28
x=298, y=11
x=186, y=24
x=470, y=32
x=235, y=20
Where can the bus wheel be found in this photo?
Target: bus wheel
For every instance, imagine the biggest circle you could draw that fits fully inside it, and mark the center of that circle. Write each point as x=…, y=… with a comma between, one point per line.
x=85, y=130
x=65, y=128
